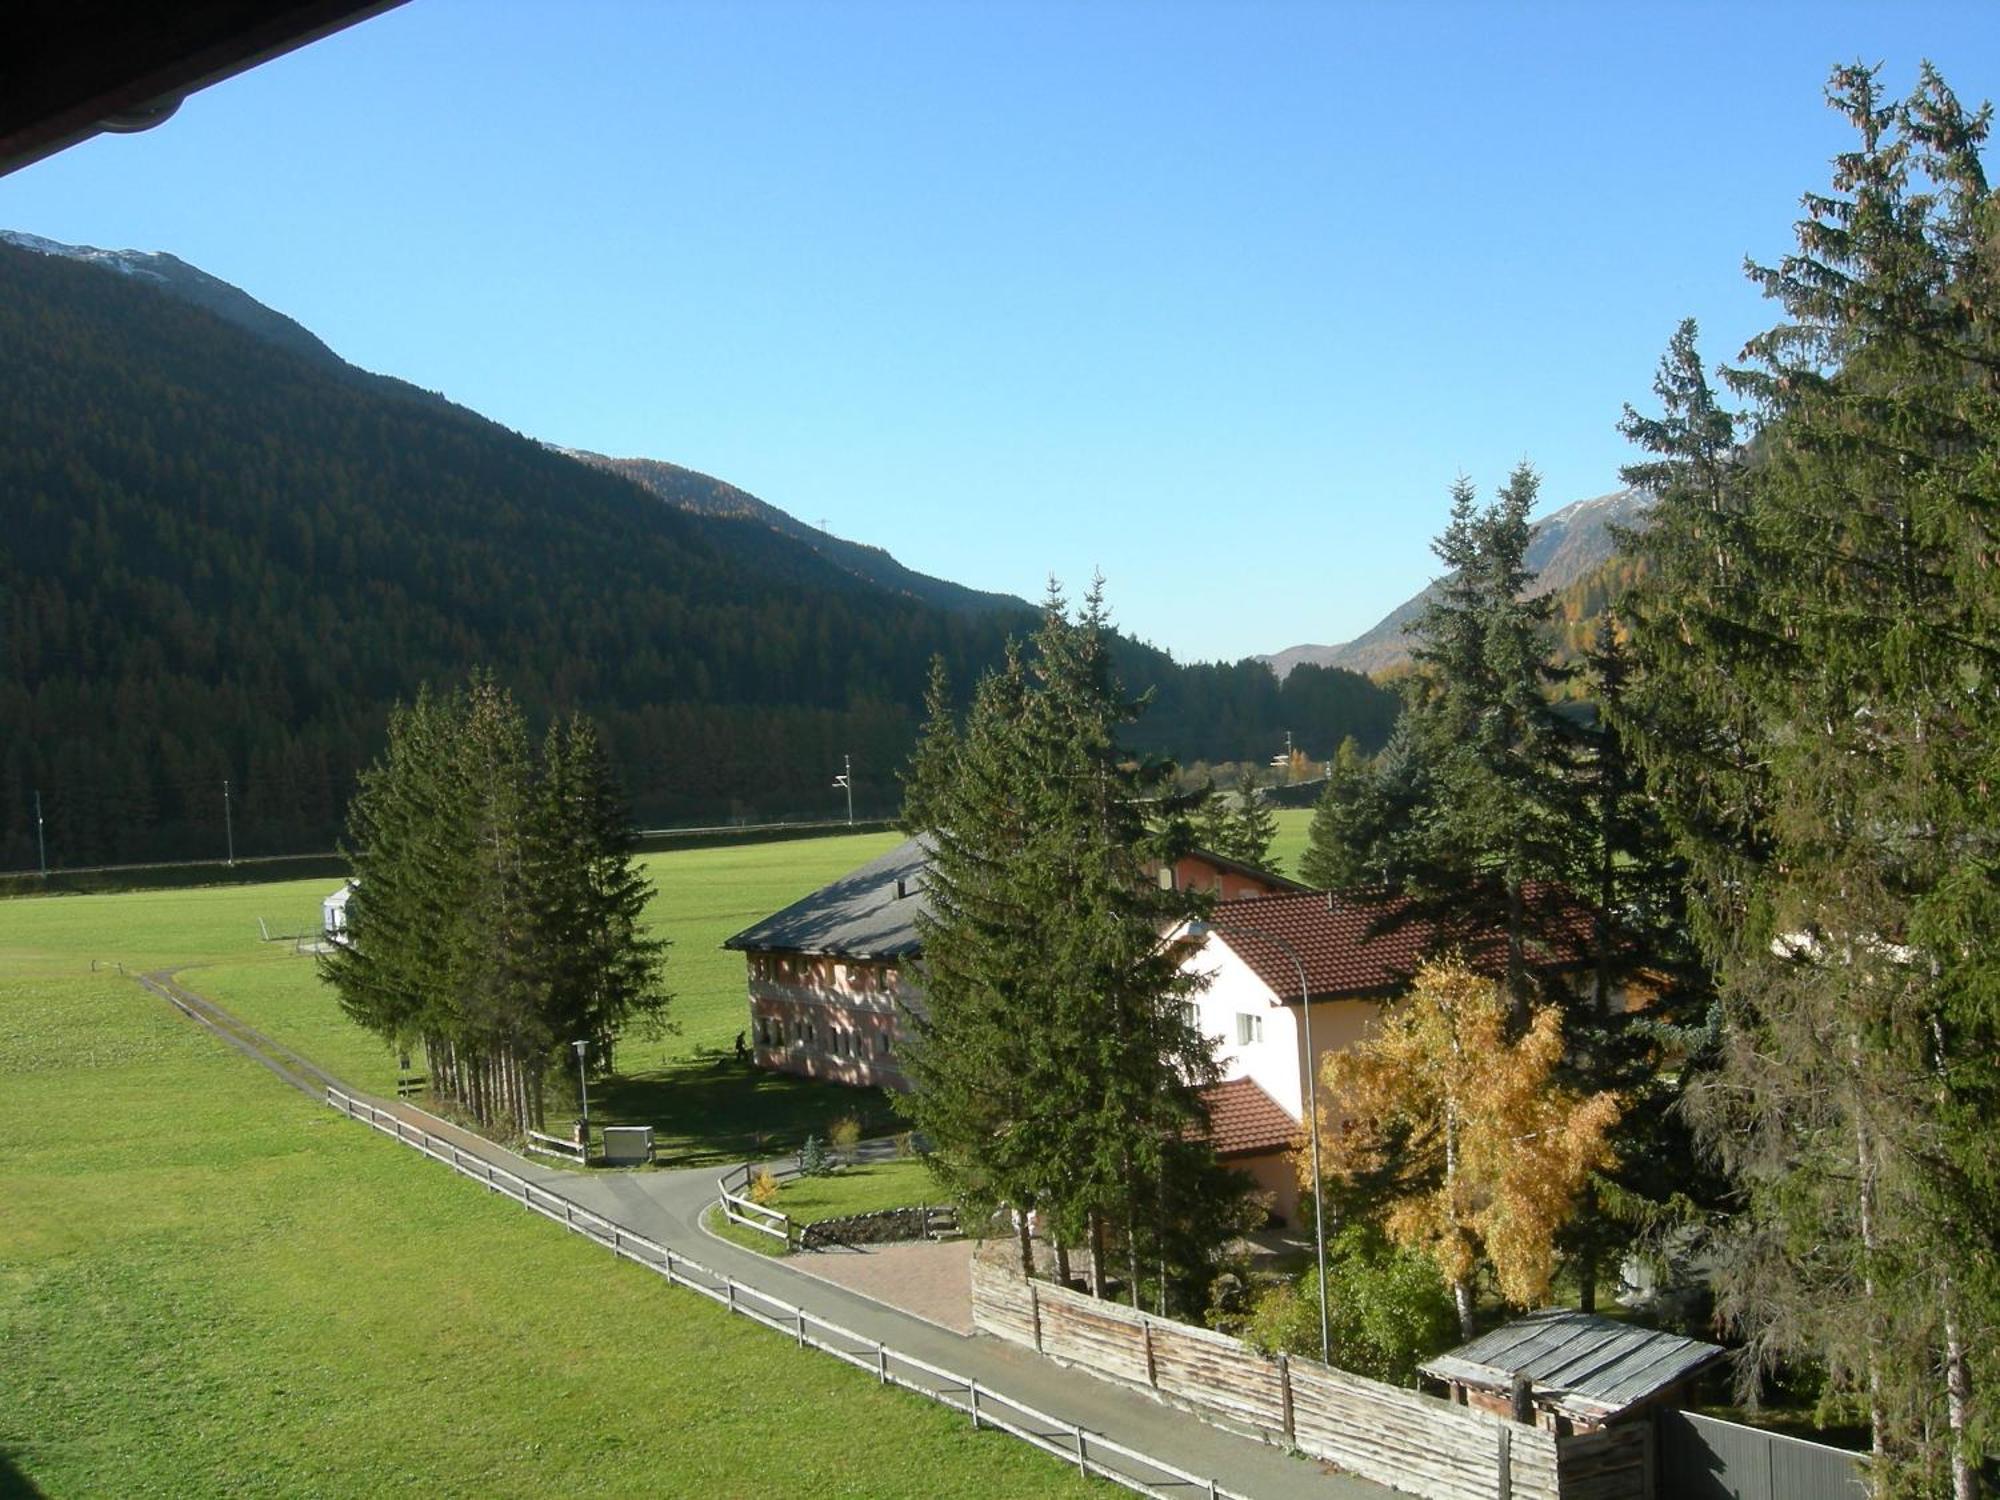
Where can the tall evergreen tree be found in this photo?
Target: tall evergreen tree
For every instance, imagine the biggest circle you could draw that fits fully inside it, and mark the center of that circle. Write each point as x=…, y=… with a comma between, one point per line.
x=1500, y=812
x=1054, y=1063
x=1343, y=843
x=1256, y=825
x=1845, y=857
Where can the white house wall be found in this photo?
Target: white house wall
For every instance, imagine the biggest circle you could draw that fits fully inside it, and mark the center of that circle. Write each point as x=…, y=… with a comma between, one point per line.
x=1234, y=988
x=1277, y=1064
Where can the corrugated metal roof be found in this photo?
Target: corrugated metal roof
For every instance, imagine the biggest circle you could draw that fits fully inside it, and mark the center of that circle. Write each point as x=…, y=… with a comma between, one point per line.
x=1578, y=1362
x=867, y=913
x=861, y=915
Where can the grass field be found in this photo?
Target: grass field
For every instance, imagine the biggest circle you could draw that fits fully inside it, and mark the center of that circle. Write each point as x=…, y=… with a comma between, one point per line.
x=210, y=1285
x=687, y=1084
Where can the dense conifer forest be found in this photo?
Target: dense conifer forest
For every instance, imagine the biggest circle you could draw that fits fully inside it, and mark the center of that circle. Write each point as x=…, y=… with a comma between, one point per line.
x=223, y=560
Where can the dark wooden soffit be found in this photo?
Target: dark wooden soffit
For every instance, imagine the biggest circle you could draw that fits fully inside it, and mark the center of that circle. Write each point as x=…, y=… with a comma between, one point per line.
x=70, y=69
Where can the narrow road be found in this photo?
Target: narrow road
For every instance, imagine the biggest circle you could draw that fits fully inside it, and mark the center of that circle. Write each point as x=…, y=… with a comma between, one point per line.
x=666, y=1207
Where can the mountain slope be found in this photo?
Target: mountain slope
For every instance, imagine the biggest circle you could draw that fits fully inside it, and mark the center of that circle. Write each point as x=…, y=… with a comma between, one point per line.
x=228, y=554
x=707, y=496
x=1567, y=546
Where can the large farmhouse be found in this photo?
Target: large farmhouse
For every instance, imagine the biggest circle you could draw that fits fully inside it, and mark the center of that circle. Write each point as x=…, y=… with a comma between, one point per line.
x=832, y=978
x=829, y=975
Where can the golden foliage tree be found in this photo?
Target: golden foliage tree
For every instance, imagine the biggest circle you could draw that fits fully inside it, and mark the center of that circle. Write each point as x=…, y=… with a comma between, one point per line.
x=1459, y=1131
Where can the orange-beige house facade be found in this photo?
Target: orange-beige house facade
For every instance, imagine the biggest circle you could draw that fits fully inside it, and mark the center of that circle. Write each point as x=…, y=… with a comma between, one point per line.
x=833, y=980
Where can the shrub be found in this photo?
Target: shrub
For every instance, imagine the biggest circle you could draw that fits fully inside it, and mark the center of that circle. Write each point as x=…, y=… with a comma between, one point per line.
x=1387, y=1310
x=812, y=1158
x=845, y=1133
x=763, y=1188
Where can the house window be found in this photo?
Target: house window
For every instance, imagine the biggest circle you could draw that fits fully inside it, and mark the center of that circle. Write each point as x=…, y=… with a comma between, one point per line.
x=882, y=1044
x=1190, y=1015
x=1249, y=1028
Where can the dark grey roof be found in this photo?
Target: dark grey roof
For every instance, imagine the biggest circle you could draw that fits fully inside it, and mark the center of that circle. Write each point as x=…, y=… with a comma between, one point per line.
x=859, y=915
x=1580, y=1364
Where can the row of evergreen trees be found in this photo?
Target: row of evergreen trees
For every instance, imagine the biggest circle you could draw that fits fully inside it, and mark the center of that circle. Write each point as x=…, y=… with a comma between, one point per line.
x=495, y=916
x=1056, y=1064
x=1816, y=705
x=1783, y=807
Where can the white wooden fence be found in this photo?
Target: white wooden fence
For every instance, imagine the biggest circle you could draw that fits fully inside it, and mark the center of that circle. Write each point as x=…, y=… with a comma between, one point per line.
x=738, y=1207
x=1091, y=1452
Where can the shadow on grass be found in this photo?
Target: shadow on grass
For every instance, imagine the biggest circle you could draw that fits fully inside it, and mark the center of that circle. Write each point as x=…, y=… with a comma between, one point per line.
x=706, y=1110
x=14, y=1485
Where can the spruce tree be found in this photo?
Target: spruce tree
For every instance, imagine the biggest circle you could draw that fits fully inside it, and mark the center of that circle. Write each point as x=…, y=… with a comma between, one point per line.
x=1256, y=825
x=1343, y=844
x=1053, y=1063
x=1844, y=856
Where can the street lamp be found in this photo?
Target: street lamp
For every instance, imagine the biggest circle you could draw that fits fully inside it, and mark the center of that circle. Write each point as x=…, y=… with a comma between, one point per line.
x=1203, y=929
x=583, y=1090
x=845, y=781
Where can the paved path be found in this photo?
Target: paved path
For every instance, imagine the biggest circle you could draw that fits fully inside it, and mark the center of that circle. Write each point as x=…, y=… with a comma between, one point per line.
x=928, y=1279
x=667, y=1206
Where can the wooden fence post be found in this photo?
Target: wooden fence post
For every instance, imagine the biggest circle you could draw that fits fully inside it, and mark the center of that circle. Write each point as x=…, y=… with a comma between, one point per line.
x=1505, y=1487
x=973, y=1387
x=881, y=1364
x=1082, y=1463
x=1285, y=1397
x=1035, y=1312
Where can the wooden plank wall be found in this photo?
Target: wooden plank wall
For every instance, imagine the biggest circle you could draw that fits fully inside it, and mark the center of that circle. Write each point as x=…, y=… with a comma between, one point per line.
x=1398, y=1437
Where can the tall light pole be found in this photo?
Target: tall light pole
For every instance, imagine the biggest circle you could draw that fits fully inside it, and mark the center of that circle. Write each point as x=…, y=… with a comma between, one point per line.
x=845, y=780
x=228, y=821
x=583, y=1091
x=1203, y=929
x=41, y=839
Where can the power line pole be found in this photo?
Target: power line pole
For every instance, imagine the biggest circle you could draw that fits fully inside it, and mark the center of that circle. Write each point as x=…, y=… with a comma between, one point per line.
x=41, y=840
x=846, y=780
x=228, y=821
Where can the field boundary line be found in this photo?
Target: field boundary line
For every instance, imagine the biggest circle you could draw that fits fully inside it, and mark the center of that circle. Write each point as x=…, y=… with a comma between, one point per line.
x=1091, y=1452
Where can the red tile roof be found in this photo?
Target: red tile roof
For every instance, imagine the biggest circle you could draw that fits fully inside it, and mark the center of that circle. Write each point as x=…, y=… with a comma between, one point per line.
x=1243, y=1119
x=1360, y=944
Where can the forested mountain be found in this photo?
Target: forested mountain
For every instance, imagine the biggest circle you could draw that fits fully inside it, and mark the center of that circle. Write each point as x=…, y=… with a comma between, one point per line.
x=707, y=496
x=1567, y=547
x=228, y=553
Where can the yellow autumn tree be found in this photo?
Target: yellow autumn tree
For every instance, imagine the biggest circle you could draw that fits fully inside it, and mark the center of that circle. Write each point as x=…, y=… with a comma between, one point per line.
x=1477, y=1153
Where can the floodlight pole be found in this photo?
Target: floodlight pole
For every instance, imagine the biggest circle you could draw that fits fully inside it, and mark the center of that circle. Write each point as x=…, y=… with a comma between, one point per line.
x=583, y=1089
x=1202, y=929
x=41, y=839
x=846, y=780
x=228, y=821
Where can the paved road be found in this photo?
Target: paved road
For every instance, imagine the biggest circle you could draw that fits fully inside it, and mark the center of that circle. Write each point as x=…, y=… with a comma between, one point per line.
x=666, y=1207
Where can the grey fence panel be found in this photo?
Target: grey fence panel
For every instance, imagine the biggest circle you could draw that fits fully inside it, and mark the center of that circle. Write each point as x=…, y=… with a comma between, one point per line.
x=1705, y=1458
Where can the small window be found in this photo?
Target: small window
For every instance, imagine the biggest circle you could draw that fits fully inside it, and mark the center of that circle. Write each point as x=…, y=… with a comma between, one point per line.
x=882, y=1044
x=1249, y=1028
x=1190, y=1015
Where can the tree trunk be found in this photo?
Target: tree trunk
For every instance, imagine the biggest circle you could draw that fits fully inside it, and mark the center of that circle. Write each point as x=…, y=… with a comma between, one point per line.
x=1062, y=1260
x=1958, y=1400
x=1461, y=1298
x=1027, y=1243
x=1096, y=1254
x=1132, y=1261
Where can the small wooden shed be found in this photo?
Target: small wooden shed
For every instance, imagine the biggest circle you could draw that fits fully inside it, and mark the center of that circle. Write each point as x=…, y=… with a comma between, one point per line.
x=1570, y=1371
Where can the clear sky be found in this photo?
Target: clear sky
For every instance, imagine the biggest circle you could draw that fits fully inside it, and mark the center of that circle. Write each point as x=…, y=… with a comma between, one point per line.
x=1217, y=298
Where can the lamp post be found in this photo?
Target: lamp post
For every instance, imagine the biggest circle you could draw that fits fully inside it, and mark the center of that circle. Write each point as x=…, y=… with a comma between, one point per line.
x=1203, y=929
x=583, y=1091
x=845, y=781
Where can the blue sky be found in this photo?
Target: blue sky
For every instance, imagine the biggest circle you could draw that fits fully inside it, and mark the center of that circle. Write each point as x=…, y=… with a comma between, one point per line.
x=1217, y=298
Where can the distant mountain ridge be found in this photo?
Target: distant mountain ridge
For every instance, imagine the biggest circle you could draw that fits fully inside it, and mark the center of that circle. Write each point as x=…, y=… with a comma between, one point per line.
x=229, y=552
x=705, y=495
x=1567, y=546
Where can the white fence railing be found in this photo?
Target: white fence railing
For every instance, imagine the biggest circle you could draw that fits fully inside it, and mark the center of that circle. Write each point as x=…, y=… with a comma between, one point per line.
x=555, y=1145
x=1091, y=1452
x=738, y=1207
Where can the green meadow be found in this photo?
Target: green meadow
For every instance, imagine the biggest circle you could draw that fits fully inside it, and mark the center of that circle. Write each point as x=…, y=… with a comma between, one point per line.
x=209, y=1284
